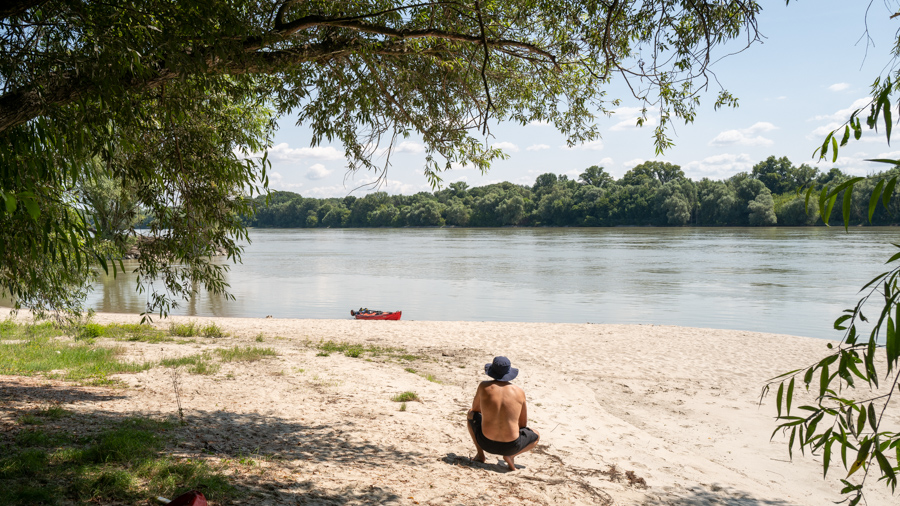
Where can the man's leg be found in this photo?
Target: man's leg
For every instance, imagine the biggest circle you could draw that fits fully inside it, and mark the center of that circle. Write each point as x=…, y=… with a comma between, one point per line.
x=479, y=457
x=510, y=461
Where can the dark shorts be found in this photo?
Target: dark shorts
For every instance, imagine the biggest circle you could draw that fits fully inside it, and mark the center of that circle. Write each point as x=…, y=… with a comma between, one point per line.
x=526, y=437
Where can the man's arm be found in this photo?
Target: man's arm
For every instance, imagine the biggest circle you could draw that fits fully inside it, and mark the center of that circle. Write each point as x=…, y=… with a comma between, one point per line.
x=523, y=415
x=476, y=402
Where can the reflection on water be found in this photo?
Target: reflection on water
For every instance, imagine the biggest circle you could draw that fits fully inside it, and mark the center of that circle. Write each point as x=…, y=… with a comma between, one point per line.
x=783, y=280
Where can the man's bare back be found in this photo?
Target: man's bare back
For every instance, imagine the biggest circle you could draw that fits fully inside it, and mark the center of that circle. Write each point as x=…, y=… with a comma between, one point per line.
x=502, y=407
x=498, y=420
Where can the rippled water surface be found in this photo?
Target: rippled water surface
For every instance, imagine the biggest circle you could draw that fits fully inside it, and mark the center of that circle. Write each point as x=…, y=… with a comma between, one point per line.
x=782, y=280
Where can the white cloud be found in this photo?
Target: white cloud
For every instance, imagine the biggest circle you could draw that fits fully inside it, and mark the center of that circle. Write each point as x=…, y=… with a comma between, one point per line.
x=461, y=166
x=822, y=131
x=718, y=166
x=761, y=126
x=317, y=171
x=745, y=137
x=506, y=146
x=276, y=182
x=839, y=86
x=627, y=111
x=284, y=153
x=630, y=164
x=818, y=134
x=403, y=147
x=409, y=147
x=360, y=187
x=537, y=147
x=595, y=145
x=844, y=114
x=538, y=123
x=629, y=117
x=854, y=165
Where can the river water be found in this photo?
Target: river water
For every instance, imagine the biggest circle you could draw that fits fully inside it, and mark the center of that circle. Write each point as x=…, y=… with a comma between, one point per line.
x=781, y=280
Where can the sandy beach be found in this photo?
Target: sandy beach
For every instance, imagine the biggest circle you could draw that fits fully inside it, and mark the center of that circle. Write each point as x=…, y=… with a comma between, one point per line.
x=674, y=408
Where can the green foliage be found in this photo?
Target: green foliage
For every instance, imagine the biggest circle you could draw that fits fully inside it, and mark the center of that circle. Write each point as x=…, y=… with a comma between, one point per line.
x=653, y=193
x=200, y=363
x=357, y=350
x=405, y=397
x=245, y=354
x=212, y=330
x=841, y=419
x=595, y=176
x=122, y=463
x=638, y=198
x=78, y=361
x=30, y=420
x=762, y=210
x=54, y=412
x=189, y=329
x=166, y=111
x=91, y=330
x=135, y=332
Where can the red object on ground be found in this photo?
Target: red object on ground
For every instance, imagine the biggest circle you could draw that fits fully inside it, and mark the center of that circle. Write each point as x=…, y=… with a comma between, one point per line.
x=192, y=498
x=376, y=315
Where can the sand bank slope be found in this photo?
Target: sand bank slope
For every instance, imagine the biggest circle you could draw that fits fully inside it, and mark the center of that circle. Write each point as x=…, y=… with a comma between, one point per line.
x=675, y=406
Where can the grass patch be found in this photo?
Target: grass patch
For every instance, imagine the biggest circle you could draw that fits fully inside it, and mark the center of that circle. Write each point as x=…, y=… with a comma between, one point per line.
x=358, y=350
x=405, y=397
x=432, y=379
x=203, y=363
x=245, y=354
x=200, y=363
x=9, y=329
x=30, y=420
x=136, y=332
x=63, y=360
x=189, y=329
x=212, y=330
x=410, y=370
x=30, y=438
x=90, y=330
x=402, y=406
x=54, y=412
x=260, y=337
x=125, y=463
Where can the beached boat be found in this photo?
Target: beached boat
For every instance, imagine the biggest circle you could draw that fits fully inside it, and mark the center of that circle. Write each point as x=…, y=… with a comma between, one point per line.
x=367, y=314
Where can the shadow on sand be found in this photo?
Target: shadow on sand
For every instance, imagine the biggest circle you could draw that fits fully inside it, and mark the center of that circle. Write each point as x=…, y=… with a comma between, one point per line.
x=717, y=497
x=225, y=435
x=458, y=460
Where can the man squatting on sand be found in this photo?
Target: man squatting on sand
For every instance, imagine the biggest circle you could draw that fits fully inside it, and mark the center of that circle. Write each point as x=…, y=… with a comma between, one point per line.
x=498, y=419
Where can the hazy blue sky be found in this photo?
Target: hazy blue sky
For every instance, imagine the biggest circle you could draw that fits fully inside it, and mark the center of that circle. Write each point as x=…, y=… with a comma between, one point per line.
x=811, y=70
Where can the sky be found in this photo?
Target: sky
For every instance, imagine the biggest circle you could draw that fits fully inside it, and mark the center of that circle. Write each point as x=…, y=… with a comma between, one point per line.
x=815, y=65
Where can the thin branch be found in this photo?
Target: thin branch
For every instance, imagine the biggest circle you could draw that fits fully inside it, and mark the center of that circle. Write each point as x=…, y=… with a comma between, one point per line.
x=487, y=89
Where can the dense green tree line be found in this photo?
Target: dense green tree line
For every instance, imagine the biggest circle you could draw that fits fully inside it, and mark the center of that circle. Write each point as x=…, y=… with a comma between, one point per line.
x=652, y=193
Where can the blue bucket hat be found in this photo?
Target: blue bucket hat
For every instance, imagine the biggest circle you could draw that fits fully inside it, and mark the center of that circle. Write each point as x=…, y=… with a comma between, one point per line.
x=500, y=369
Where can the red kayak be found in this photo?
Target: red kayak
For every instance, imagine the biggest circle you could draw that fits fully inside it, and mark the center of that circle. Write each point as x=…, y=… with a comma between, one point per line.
x=365, y=314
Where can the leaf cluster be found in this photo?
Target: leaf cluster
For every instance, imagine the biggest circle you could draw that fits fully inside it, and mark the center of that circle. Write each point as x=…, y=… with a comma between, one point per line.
x=856, y=424
x=172, y=104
